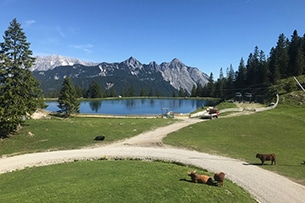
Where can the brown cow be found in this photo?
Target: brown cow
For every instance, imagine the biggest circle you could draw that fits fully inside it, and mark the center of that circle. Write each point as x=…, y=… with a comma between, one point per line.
x=219, y=177
x=266, y=157
x=200, y=178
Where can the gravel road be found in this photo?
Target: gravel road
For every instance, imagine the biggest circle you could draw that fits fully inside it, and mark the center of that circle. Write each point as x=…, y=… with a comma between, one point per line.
x=265, y=186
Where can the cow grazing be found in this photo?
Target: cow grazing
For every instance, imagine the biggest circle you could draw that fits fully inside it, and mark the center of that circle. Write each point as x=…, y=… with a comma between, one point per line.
x=266, y=157
x=100, y=138
x=200, y=178
x=219, y=177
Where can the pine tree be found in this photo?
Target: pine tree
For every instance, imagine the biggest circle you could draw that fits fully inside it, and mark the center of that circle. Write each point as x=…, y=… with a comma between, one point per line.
x=241, y=75
x=129, y=92
x=80, y=92
x=299, y=62
x=252, y=68
x=142, y=92
x=174, y=93
x=278, y=60
x=67, y=100
x=219, y=86
x=296, y=56
x=151, y=92
x=20, y=94
x=274, y=67
x=181, y=92
x=95, y=90
x=186, y=94
x=210, y=87
x=263, y=71
x=282, y=55
x=230, y=80
x=112, y=92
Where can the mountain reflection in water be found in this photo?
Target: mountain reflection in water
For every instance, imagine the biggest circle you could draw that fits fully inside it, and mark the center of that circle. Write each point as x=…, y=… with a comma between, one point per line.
x=142, y=106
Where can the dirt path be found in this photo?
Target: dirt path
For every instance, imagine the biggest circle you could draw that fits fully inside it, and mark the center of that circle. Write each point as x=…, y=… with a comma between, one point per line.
x=154, y=137
x=264, y=185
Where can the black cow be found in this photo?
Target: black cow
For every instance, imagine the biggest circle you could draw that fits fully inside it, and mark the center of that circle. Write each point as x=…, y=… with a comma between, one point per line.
x=266, y=157
x=99, y=138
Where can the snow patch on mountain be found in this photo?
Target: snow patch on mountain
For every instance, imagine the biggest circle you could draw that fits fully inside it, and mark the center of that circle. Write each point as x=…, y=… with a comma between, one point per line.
x=44, y=63
x=103, y=71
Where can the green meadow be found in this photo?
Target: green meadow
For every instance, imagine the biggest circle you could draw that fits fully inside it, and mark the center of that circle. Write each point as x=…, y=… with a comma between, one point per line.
x=280, y=131
x=113, y=181
x=73, y=133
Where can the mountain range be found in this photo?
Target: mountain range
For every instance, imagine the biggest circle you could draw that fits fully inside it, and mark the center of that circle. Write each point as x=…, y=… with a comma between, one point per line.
x=163, y=79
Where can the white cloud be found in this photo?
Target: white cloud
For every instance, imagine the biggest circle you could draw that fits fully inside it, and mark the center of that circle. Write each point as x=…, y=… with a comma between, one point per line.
x=60, y=32
x=84, y=47
x=29, y=22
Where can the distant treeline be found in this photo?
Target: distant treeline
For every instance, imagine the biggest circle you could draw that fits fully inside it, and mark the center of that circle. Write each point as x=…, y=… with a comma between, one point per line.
x=259, y=73
x=95, y=90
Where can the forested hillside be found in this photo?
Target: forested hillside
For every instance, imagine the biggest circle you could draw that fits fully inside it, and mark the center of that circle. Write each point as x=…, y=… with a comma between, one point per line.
x=258, y=76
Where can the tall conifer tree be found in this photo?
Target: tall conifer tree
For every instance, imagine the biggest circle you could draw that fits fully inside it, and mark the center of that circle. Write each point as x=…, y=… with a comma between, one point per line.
x=220, y=85
x=20, y=94
x=274, y=66
x=296, y=56
x=241, y=74
x=282, y=55
x=279, y=59
x=229, y=86
x=67, y=100
x=210, y=87
x=263, y=71
x=95, y=90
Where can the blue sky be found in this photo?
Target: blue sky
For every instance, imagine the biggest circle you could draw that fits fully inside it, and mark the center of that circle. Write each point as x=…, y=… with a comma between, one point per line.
x=207, y=34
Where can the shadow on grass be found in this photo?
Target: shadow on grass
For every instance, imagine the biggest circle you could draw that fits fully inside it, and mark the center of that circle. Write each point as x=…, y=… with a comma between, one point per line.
x=259, y=164
x=253, y=164
x=210, y=182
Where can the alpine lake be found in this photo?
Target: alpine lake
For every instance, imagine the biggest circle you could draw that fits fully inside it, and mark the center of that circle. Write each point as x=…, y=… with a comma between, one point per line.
x=138, y=106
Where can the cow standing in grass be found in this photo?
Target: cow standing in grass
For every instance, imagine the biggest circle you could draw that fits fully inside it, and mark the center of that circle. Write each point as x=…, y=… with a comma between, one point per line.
x=266, y=157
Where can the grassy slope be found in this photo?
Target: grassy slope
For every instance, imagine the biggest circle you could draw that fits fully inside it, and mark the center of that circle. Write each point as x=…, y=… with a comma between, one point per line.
x=113, y=181
x=71, y=133
x=280, y=131
x=88, y=181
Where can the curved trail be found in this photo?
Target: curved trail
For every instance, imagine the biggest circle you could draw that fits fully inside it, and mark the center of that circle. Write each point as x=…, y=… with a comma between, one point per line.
x=265, y=186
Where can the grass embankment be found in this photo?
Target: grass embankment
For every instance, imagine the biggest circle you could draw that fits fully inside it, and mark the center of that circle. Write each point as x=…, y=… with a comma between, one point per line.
x=280, y=131
x=72, y=133
x=101, y=181
x=113, y=181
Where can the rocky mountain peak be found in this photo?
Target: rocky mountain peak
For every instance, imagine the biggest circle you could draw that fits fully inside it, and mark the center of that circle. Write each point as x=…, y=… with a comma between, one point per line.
x=175, y=73
x=133, y=62
x=176, y=63
x=175, y=60
x=153, y=64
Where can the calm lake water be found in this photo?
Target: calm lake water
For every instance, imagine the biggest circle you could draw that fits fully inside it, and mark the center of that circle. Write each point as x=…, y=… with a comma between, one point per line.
x=135, y=106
